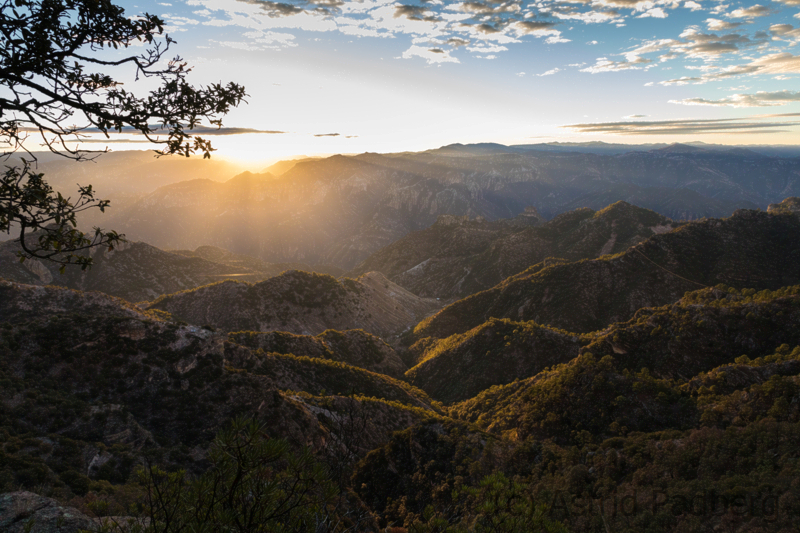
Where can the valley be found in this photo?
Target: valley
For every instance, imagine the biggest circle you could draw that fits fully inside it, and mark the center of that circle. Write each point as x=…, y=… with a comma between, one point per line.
x=425, y=332
x=337, y=211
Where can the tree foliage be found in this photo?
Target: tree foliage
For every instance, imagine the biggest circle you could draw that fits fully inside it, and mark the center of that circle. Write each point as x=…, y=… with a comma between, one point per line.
x=57, y=58
x=254, y=484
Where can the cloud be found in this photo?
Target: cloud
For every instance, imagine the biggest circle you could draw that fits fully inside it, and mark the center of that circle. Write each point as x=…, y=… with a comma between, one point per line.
x=753, y=11
x=540, y=28
x=489, y=7
x=556, y=37
x=693, y=43
x=685, y=127
x=534, y=26
x=784, y=32
x=198, y=130
x=271, y=39
x=698, y=44
x=590, y=17
x=721, y=25
x=489, y=28
x=487, y=49
x=636, y=116
x=435, y=28
x=282, y=9
x=782, y=63
x=440, y=56
x=456, y=42
x=550, y=72
x=113, y=141
x=179, y=21
x=604, y=64
x=232, y=131
x=637, y=5
x=719, y=9
x=759, y=99
x=279, y=9
x=428, y=24
x=655, y=12
x=326, y=134
x=415, y=13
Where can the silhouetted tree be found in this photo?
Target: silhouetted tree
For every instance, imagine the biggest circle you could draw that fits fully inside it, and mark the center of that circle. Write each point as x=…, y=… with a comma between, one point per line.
x=254, y=485
x=54, y=59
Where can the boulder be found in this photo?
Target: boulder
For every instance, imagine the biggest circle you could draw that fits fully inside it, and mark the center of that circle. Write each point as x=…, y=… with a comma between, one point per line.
x=18, y=509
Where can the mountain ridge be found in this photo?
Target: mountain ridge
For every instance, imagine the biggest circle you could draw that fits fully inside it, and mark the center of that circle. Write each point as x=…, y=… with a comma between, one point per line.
x=341, y=209
x=301, y=303
x=459, y=257
x=749, y=249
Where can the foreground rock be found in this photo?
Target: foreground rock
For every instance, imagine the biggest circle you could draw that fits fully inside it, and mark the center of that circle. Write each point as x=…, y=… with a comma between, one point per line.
x=22, y=510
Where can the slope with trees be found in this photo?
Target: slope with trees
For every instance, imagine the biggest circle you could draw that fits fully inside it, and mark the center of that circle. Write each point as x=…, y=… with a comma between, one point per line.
x=456, y=258
x=92, y=386
x=301, y=303
x=750, y=249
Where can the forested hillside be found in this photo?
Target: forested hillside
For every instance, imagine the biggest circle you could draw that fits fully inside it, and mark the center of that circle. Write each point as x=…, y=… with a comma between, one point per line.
x=597, y=394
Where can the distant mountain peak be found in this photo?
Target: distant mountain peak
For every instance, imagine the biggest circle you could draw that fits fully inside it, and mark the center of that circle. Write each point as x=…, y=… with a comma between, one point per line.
x=249, y=177
x=620, y=206
x=679, y=148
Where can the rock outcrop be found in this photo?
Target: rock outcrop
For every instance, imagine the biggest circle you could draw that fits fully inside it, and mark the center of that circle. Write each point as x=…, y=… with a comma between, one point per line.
x=26, y=512
x=789, y=205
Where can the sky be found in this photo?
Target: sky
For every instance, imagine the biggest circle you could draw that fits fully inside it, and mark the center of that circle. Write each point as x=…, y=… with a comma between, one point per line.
x=345, y=76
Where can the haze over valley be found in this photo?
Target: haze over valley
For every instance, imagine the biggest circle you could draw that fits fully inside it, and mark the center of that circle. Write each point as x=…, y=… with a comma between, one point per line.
x=457, y=295
x=335, y=266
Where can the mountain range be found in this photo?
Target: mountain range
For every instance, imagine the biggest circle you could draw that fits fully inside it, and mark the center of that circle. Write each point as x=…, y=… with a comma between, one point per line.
x=111, y=384
x=457, y=257
x=137, y=271
x=491, y=342
x=750, y=249
x=339, y=210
